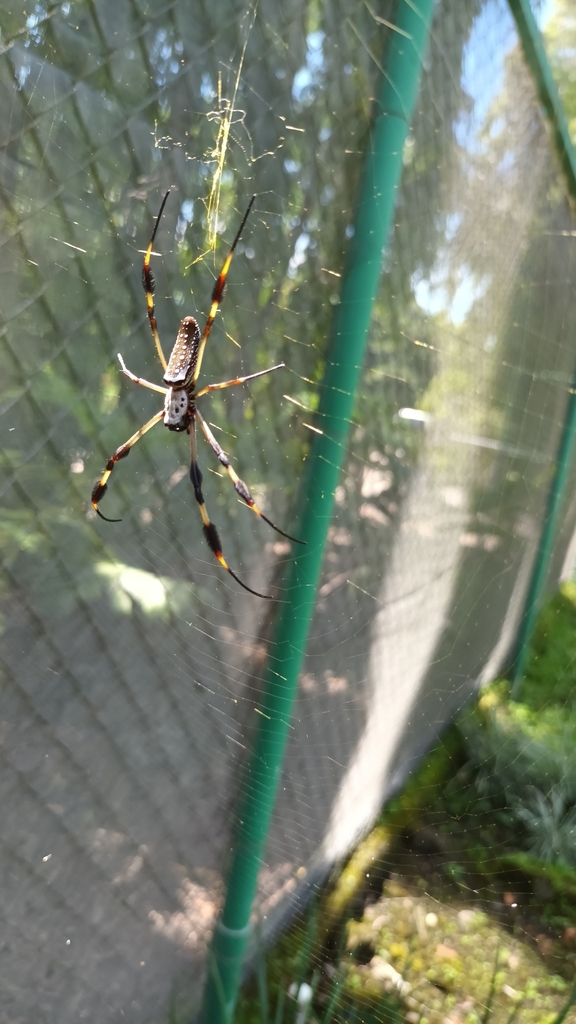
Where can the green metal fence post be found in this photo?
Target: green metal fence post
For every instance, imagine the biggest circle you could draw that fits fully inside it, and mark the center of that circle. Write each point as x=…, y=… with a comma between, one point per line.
x=537, y=61
x=382, y=169
x=547, y=537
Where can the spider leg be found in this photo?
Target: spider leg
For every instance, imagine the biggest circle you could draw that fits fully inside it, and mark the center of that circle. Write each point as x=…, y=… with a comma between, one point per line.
x=210, y=531
x=239, y=484
x=101, y=487
x=237, y=380
x=140, y=380
x=217, y=293
x=149, y=286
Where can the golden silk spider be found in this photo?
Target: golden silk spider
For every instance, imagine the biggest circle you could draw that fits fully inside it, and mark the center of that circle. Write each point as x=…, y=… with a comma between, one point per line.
x=180, y=412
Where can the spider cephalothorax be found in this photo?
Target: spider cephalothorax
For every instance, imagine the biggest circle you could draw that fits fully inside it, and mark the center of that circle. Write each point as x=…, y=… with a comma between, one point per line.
x=180, y=412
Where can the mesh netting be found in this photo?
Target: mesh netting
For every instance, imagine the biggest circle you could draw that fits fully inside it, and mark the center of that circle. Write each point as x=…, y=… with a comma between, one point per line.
x=131, y=660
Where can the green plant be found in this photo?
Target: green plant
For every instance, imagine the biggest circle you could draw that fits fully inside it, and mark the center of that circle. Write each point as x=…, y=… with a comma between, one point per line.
x=550, y=821
x=569, y=1004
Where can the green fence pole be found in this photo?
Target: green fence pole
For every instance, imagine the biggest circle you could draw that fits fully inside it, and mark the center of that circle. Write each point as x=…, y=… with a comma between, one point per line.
x=537, y=61
x=547, y=537
x=382, y=170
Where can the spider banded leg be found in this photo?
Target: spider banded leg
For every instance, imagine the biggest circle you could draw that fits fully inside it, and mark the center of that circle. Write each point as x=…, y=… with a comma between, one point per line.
x=102, y=486
x=239, y=484
x=149, y=285
x=140, y=380
x=218, y=291
x=237, y=380
x=210, y=531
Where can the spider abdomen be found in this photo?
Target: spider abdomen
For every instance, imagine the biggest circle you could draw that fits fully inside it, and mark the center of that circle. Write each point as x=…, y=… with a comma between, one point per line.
x=184, y=355
x=177, y=410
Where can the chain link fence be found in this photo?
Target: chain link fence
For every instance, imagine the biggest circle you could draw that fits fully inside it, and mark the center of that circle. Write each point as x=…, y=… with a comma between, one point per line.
x=131, y=661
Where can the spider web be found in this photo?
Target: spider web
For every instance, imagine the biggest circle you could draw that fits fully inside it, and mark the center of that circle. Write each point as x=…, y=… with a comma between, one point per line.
x=132, y=663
